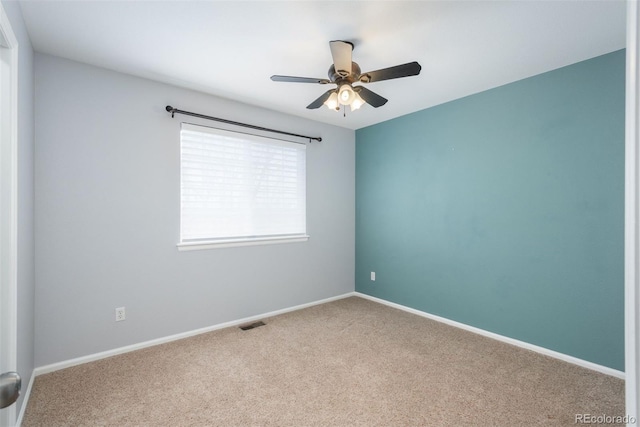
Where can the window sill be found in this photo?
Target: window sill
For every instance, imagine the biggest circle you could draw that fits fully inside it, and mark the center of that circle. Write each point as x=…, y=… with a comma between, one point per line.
x=211, y=244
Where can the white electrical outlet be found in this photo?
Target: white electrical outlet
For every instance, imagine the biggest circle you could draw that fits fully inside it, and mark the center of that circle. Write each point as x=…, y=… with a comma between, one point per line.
x=373, y=276
x=120, y=315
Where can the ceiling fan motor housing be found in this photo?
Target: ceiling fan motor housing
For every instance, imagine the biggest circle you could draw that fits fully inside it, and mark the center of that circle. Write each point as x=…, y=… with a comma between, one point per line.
x=339, y=77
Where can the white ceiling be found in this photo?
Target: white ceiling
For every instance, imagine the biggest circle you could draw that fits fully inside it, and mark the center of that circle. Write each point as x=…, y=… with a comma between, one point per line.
x=231, y=48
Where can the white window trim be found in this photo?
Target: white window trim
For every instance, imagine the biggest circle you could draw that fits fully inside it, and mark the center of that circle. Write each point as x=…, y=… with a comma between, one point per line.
x=229, y=243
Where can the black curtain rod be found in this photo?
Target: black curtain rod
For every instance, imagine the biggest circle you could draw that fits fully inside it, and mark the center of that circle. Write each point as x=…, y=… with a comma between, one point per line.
x=231, y=122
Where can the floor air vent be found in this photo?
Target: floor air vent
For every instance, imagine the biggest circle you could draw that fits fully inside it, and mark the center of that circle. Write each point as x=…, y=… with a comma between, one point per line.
x=252, y=325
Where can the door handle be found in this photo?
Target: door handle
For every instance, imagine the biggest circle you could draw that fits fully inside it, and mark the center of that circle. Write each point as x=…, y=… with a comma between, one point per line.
x=10, y=384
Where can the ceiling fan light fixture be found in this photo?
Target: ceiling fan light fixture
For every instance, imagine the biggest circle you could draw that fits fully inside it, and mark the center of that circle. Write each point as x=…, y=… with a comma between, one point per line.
x=357, y=102
x=346, y=95
x=332, y=101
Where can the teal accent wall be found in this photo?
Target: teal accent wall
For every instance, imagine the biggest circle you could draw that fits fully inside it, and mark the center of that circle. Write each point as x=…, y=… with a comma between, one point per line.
x=504, y=210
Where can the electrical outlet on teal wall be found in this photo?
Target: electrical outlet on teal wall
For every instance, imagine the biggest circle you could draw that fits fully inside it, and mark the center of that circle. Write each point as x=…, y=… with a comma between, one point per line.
x=504, y=210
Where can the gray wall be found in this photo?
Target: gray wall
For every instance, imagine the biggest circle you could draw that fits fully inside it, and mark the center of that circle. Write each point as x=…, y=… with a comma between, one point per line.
x=26, y=269
x=107, y=217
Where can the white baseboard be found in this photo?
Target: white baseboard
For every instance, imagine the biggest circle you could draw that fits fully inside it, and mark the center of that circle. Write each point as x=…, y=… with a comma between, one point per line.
x=27, y=393
x=556, y=355
x=97, y=356
x=102, y=355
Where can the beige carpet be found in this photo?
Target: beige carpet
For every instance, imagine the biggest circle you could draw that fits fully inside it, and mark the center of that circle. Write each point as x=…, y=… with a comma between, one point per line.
x=351, y=362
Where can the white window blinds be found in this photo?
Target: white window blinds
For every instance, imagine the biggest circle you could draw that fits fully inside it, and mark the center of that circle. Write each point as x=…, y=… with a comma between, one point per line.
x=237, y=187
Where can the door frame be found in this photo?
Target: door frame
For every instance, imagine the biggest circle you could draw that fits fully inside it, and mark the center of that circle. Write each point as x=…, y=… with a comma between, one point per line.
x=8, y=196
x=632, y=214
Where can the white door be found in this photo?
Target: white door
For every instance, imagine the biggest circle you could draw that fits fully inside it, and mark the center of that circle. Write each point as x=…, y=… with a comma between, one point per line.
x=8, y=217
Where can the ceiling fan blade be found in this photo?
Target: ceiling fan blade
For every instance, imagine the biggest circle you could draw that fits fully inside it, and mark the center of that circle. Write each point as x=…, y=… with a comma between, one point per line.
x=404, y=70
x=370, y=97
x=292, y=79
x=318, y=102
x=341, y=53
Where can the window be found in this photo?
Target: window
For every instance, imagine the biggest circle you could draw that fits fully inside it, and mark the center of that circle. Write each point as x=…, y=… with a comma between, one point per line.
x=240, y=189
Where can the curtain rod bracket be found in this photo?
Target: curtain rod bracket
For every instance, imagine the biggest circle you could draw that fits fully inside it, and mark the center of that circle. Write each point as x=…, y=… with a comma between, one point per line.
x=173, y=111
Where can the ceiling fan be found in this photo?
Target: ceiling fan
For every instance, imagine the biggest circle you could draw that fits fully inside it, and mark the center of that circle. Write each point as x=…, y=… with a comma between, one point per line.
x=344, y=73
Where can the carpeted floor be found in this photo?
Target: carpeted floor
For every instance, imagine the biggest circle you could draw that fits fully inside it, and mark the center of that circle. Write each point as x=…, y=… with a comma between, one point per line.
x=351, y=362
